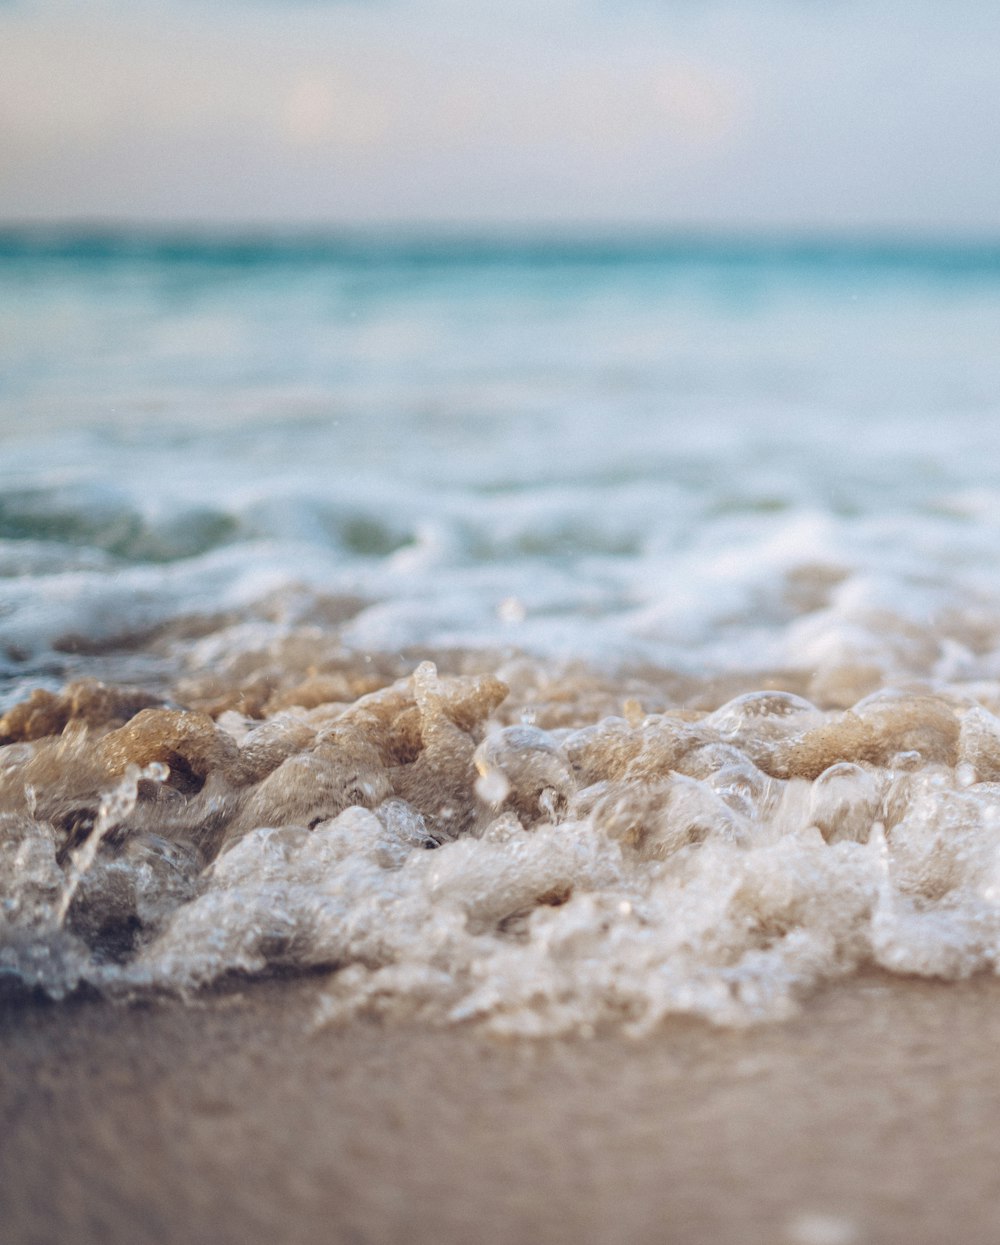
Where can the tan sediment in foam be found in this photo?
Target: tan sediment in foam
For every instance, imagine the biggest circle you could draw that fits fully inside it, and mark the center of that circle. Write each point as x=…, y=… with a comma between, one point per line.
x=609, y=851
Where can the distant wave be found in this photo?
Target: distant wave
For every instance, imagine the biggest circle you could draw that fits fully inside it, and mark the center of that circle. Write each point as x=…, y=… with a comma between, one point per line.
x=948, y=257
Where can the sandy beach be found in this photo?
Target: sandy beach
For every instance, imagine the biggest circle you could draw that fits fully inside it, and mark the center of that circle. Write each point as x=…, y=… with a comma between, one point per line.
x=869, y=1118
x=499, y=624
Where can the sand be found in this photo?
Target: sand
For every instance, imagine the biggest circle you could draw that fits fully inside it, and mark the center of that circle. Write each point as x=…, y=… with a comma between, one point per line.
x=872, y=1117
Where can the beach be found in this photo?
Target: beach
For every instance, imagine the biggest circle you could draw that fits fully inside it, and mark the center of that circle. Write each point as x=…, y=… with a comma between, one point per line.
x=499, y=624
x=869, y=1117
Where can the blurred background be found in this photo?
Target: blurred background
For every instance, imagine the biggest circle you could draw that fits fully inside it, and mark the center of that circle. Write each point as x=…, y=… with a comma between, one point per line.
x=875, y=117
x=653, y=331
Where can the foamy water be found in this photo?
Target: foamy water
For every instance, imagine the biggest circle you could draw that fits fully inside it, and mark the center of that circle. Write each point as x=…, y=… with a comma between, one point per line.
x=543, y=638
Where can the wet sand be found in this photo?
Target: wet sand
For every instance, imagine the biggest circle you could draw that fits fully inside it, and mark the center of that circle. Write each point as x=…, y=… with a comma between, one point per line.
x=872, y=1117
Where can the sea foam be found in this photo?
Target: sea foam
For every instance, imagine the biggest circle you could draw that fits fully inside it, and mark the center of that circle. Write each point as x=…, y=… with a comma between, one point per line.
x=443, y=859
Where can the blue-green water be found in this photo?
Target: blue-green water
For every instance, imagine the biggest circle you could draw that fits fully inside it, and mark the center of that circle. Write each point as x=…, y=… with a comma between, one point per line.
x=633, y=443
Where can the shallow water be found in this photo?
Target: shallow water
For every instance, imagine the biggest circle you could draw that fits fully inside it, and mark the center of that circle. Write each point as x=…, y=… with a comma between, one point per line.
x=549, y=637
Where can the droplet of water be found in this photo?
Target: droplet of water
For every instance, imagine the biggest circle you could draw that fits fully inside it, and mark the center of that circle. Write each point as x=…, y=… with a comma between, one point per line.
x=492, y=786
x=511, y=610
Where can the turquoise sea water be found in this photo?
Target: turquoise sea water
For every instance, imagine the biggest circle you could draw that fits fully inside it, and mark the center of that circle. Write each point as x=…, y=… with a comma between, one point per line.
x=636, y=441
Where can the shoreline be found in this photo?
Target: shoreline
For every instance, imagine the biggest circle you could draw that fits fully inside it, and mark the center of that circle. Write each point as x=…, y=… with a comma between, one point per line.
x=869, y=1117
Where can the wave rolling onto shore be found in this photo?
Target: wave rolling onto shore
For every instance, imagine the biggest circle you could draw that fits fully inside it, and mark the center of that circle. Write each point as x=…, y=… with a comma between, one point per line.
x=550, y=640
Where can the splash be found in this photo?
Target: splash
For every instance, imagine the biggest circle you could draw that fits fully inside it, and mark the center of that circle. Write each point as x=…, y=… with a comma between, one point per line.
x=486, y=848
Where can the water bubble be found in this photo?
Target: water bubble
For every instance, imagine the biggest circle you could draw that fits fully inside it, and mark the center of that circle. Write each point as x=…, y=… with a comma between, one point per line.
x=511, y=610
x=767, y=714
x=492, y=786
x=529, y=762
x=844, y=802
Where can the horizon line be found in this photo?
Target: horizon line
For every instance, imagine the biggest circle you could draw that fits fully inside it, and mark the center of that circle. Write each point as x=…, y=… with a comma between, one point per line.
x=104, y=238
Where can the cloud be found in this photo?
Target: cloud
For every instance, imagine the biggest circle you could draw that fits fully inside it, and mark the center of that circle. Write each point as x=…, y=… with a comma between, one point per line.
x=328, y=110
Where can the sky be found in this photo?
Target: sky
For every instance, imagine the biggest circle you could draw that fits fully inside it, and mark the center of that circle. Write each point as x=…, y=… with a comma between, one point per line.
x=854, y=116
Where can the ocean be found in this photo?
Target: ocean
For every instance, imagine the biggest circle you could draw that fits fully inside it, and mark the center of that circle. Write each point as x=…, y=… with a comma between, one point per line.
x=550, y=634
